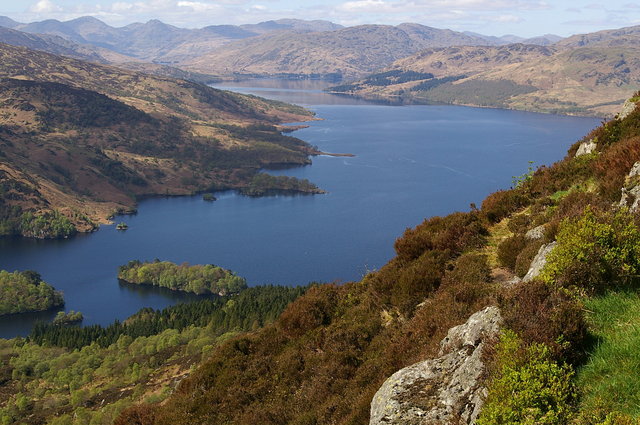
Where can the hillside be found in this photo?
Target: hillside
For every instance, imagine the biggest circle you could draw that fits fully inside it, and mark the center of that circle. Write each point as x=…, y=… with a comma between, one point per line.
x=82, y=141
x=329, y=352
x=562, y=78
x=343, y=53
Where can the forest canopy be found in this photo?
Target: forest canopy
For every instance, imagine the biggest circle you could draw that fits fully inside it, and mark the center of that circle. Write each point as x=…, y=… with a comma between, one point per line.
x=199, y=279
x=22, y=292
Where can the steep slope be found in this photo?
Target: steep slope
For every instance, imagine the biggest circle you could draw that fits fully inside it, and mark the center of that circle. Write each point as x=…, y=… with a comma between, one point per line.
x=346, y=53
x=331, y=349
x=83, y=140
x=561, y=78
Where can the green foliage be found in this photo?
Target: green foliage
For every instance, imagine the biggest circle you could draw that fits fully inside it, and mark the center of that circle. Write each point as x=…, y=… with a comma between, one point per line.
x=46, y=225
x=25, y=291
x=519, y=181
x=63, y=318
x=530, y=389
x=265, y=184
x=253, y=307
x=606, y=381
x=597, y=248
x=92, y=383
x=199, y=279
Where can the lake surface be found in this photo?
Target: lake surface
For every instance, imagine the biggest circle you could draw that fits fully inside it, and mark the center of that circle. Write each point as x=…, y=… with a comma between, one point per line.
x=412, y=162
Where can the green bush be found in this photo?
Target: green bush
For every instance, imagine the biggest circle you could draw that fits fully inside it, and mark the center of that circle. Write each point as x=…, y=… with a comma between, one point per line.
x=531, y=388
x=597, y=248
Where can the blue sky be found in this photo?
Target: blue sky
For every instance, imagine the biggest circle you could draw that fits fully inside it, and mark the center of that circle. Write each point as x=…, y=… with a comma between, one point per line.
x=492, y=17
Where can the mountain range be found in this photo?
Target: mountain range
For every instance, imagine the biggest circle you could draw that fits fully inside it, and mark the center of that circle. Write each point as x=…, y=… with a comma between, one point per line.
x=282, y=47
x=588, y=74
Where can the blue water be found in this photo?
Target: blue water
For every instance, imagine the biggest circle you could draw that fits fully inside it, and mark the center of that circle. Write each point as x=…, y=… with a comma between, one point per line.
x=412, y=162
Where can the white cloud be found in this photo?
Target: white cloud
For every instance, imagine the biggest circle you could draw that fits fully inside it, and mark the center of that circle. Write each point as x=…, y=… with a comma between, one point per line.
x=197, y=6
x=45, y=6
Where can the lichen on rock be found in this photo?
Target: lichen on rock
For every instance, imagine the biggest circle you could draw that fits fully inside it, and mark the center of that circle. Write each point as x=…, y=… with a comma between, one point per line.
x=539, y=262
x=631, y=190
x=445, y=389
x=586, y=148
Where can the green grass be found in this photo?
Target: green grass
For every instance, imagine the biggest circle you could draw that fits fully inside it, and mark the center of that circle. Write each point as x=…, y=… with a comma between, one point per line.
x=609, y=381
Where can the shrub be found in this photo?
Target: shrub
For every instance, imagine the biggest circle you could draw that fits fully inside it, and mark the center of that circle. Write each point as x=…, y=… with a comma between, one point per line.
x=531, y=388
x=455, y=232
x=469, y=279
x=519, y=223
x=526, y=256
x=541, y=314
x=597, y=248
x=509, y=249
x=419, y=279
x=503, y=203
x=613, y=166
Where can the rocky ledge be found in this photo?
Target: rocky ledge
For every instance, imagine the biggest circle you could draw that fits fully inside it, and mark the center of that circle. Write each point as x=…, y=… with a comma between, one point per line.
x=447, y=389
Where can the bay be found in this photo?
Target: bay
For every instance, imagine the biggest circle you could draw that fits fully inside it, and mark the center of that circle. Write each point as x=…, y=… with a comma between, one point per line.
x=411, y=162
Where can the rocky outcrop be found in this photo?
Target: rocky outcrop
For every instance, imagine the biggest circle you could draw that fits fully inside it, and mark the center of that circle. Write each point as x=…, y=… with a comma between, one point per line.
x=627, y=108
x=443, y=390
x=631, y=190
x=586, y=148
x=535, y=233
x=538, y=262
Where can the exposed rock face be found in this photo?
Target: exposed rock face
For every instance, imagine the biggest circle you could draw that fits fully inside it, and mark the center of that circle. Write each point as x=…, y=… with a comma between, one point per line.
x=631, y=190
x=586, y=148
x=627, y=108
x=445, y=389
x=535, y=233
x=538, y=262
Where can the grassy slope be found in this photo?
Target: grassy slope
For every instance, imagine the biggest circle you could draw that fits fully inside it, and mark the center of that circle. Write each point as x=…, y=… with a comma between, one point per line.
x=607, y=378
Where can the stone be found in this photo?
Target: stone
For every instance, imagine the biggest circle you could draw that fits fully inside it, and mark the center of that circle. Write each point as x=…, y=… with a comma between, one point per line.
x=586, y=148
x=627, y=108
x=443, y=390
x=539, y=262
x=535, y=233
x=631, y=191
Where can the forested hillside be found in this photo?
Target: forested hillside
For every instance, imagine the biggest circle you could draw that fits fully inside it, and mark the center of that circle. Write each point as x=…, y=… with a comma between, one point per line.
x=71, y=375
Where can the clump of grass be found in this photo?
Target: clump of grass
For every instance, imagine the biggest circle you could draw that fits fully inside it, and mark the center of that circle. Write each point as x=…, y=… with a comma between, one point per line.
x=609, y=381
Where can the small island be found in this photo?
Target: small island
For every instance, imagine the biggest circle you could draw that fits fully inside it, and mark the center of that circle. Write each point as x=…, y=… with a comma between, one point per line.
x=265, y=184
x=23, y=292
x=199, y=279
x=122, y=226
x=70, y=318
x=209, y=197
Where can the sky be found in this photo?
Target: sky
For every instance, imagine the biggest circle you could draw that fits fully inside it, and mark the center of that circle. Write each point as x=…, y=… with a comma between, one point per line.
x=525, y=18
